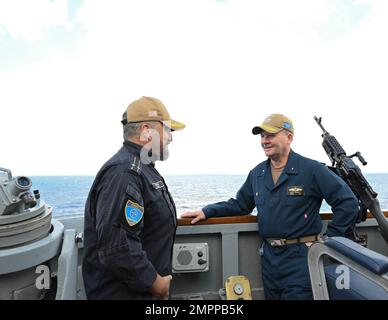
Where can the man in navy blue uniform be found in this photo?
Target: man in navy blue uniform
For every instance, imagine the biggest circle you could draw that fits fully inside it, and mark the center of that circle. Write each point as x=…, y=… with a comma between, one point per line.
x=287, y=190
x=130, y=216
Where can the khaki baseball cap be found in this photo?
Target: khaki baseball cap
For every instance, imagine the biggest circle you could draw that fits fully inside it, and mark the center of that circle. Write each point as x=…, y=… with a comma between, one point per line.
x=274, y=123
x=150, y=109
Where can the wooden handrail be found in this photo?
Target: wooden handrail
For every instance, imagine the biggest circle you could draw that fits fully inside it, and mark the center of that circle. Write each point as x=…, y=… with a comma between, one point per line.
x=247, y=219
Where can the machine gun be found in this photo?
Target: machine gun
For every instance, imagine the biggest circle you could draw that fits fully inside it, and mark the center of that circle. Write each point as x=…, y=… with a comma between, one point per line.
x=345, y=167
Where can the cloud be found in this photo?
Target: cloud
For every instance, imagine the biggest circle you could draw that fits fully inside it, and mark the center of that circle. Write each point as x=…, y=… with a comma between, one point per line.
x=29, y=20
x=343, y=17
x=220, y=67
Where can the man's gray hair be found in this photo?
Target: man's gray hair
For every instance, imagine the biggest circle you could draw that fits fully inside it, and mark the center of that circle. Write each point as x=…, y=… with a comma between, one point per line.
x=131, y=130
x=285, y=131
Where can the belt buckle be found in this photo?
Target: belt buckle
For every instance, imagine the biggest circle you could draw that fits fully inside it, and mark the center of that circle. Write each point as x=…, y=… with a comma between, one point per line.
x=278, y=242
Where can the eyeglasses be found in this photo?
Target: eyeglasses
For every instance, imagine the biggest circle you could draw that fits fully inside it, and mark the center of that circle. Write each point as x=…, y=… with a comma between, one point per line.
x=165, y=127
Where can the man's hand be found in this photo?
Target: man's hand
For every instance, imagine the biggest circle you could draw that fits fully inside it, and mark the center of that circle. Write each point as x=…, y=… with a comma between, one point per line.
x=161, y=287
x=197, y=215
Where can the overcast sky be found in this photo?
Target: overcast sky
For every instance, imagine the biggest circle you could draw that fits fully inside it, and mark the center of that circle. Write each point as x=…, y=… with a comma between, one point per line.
x=68, y=70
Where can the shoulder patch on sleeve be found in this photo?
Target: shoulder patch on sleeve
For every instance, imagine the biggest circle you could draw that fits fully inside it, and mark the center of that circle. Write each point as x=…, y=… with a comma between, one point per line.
x=133, y=213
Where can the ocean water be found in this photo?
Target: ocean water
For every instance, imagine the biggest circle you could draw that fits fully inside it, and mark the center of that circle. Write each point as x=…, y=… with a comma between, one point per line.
x=67, y=194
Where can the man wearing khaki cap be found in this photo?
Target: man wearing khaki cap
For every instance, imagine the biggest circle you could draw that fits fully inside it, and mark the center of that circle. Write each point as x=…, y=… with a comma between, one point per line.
x=287, y=189
x=130, y=216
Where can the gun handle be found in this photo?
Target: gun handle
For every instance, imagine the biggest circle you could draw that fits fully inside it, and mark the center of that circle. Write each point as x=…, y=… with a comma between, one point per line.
x=361, y=158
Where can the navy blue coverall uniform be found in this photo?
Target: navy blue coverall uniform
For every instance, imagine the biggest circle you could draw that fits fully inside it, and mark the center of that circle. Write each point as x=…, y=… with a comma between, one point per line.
x=289, y=209
x=130, y=224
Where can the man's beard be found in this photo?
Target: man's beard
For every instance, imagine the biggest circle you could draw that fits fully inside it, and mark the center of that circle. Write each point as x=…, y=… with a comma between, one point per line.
x=164, y=153
x=154, y=154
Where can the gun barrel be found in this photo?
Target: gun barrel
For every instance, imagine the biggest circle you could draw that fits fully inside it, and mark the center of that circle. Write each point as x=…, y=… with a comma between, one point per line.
x=319, y=121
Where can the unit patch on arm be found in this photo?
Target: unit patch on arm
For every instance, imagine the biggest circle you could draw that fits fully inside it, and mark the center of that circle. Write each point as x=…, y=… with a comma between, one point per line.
x=133, y=213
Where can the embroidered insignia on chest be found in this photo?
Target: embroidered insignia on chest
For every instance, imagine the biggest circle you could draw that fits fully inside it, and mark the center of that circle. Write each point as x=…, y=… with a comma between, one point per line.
x=133, y=213
x=158, y=185
x=295, y=191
